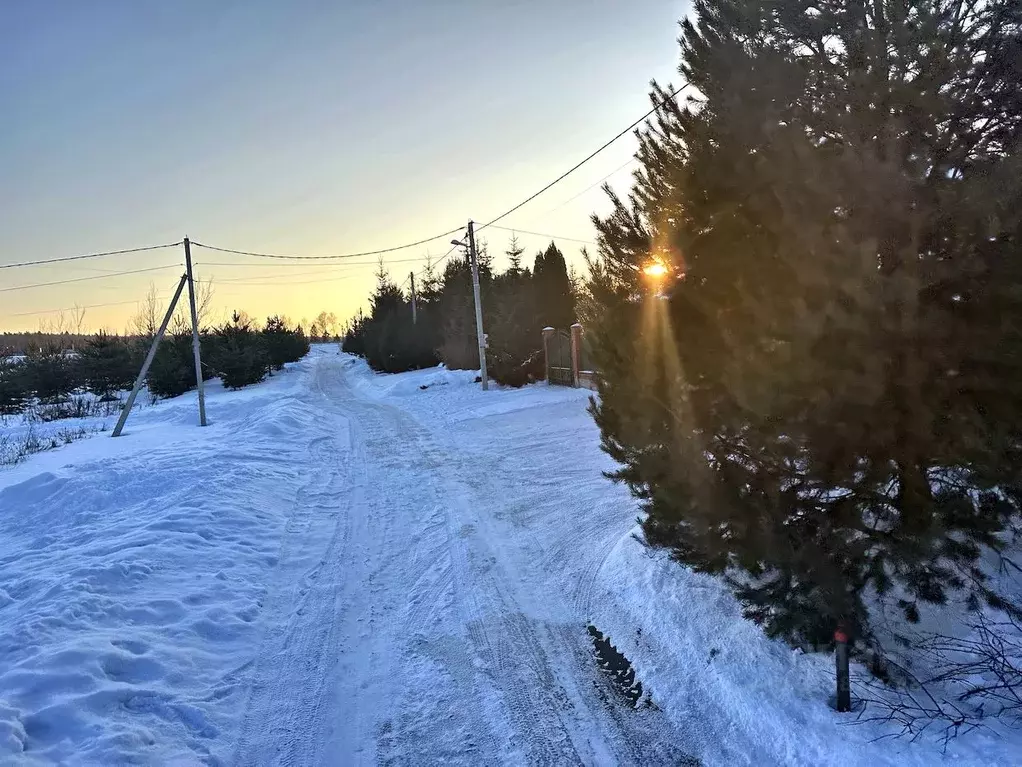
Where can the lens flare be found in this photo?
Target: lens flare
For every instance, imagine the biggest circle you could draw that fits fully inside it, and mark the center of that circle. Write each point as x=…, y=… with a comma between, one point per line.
x=656, y=270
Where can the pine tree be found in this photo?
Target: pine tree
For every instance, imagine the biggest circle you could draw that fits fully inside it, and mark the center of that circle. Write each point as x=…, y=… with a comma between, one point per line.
x=52, y=374
x=354, y=336
x=107, y=365
x=389, y=339
x=240, y=357
x=173, y=368
x=514, y=254
x=826, y=404
x=459, y=348
x=513, y=356
x=280, y=344
x=13, y=387
x=554, y=300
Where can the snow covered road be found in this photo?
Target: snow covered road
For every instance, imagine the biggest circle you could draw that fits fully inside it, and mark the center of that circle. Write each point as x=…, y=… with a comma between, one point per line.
x=428, y=614
x=346, y=568
x=334, y=572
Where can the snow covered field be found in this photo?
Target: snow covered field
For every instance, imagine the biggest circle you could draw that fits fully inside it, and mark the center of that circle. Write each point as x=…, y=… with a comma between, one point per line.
x=346, y=568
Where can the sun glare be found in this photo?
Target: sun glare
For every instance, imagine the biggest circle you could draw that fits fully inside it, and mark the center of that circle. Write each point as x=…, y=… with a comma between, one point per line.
x=656, y=270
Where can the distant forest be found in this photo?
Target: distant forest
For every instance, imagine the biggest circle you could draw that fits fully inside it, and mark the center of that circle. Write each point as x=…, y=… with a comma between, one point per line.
x=517, y=304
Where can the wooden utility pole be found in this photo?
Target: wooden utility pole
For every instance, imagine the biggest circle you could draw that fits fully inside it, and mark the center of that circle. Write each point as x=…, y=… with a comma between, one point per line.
x=130, y=403
x=195, y=333
x=415, y=320
x=480, y=335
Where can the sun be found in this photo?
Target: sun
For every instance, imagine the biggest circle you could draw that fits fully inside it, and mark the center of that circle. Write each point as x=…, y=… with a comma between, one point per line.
x=655, y=269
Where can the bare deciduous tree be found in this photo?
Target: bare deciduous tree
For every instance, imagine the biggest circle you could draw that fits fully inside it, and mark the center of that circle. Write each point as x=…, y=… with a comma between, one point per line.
x=204, y=293
x=973, y=679
x=326, y=324
x=147, y=318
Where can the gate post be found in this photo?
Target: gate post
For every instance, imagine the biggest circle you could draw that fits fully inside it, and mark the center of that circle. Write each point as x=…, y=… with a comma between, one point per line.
x=576, y=354
x=548, y=333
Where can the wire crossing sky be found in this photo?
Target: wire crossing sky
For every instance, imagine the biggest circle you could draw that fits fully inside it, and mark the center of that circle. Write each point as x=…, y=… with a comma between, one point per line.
x=304, y=128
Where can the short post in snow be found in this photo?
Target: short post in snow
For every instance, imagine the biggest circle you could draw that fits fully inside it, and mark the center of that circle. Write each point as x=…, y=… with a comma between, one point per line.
x=548, y=333
x=576, y=354
x=844, y=688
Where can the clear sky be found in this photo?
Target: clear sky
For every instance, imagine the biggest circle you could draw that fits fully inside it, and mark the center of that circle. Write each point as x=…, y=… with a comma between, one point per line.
x=302, y=127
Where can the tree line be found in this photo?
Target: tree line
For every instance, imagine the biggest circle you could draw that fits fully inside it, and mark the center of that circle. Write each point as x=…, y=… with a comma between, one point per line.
x=517, y=304
x=822, y=402
x=237, y=351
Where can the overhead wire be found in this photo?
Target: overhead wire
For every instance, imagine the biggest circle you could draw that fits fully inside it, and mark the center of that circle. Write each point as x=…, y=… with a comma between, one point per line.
x=516, y=230
x=89, y=306
x=248, y=281
x=435, y=264
x=292, y=257
x=578, y=165
x=104, y=254
x=86, y=279
x=574, y=197
x=327, y=266
x=257, y=277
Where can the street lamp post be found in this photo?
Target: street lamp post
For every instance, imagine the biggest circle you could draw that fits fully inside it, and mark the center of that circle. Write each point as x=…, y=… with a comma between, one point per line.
x=480, y=335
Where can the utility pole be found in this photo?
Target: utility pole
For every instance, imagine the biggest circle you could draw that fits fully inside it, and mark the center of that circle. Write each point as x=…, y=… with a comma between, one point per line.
x=480, y=336
x=130, y=402
x=195, y=333
x=411, y=276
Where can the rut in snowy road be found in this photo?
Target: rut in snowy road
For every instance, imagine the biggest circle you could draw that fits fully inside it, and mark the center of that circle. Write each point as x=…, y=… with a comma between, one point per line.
x=430, y=599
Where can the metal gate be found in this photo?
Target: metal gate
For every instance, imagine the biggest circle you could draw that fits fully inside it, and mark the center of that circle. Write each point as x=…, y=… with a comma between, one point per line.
x=559, y=359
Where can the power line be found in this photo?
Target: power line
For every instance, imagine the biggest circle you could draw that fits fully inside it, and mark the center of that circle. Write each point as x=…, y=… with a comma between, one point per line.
x=593, y=186
x=247, y=281
x=435, y=264
x=89, y=255
x=542, y=234
x=257, y=277
x=326, y=266
x=574, y=168
x=321, y=258
x=72, y=308
x=86, y=279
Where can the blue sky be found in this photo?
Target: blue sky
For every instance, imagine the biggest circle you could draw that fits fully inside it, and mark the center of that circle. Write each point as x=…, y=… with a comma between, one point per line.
x=302, y=127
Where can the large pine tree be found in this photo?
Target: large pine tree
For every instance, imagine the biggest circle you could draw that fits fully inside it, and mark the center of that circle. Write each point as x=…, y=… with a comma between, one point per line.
x=555, y=303
x=391, y=341
x=459, y=347
x=512, y=324
x=826, y=405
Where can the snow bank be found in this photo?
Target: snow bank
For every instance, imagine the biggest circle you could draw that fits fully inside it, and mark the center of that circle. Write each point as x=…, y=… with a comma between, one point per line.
x=746, y=699
x=132, y=574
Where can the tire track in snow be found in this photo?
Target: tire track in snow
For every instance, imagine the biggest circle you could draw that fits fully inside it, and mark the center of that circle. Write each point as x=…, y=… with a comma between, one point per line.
x=538, y=672
x=284, y=719
x=563, y=710
x=418, y=641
